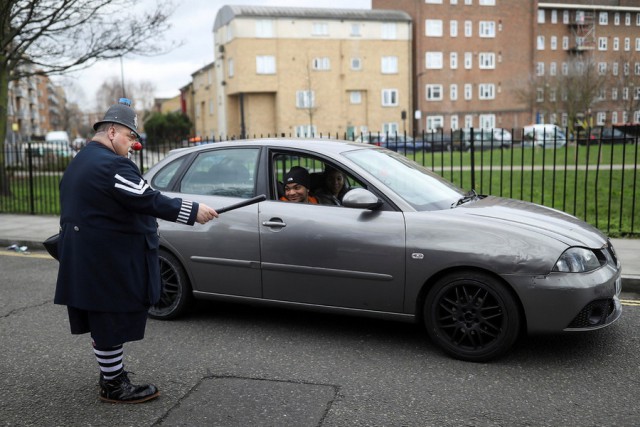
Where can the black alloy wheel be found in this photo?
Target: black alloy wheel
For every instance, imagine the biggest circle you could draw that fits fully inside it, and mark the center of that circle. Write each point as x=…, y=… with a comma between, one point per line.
x=175, y=294
x=472, y=316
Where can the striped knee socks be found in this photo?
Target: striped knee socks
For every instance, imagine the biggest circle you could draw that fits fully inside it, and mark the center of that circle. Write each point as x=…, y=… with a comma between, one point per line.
x=110, y=360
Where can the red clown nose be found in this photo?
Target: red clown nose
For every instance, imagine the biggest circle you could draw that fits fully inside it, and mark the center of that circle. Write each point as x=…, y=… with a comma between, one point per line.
x=136, y=146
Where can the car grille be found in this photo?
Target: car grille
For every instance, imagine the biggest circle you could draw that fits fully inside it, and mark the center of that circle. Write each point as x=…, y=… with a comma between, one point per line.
x=593, y=314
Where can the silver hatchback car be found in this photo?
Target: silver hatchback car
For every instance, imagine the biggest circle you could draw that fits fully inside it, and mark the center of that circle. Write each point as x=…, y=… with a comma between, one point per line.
x=403, y=244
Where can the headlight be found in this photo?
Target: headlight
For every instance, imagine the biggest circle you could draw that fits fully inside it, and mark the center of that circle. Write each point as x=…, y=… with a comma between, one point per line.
x=577, y=260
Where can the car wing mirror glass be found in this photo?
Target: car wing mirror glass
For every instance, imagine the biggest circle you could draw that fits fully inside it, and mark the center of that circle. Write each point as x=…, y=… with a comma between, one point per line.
x=360, y=198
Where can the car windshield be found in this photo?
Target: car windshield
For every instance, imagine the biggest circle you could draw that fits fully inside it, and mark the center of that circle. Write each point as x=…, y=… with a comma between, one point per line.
x=421, y=188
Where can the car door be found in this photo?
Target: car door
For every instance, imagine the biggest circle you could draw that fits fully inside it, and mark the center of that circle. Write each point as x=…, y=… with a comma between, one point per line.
x=223, y=255
x=332, y=256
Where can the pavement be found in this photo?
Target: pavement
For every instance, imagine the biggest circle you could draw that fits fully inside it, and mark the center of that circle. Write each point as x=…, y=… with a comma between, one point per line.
x=32, y=230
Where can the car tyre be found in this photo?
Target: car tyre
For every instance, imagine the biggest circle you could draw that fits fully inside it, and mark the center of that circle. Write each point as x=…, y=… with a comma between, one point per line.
x=472, y=316
x=175, y=293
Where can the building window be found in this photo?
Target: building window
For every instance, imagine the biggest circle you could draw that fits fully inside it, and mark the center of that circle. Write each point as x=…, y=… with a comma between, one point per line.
x=468, y=60
x=552, y=94
x=356, y=64
x=603, y=18
x=389, y=97
x=433, y=28
x=625, y=93
x=320, y=29
x=266, y=64
x=487, y=121
x=627, y=18
x=616, y=43
x=389, y=64
x=453, y=28
x=356, y=29
x=565, y=16
x=636, y=68
x=638, y=19
x=390, y=128
x=627, y=44
x=433, y=1
x=616, y=18
x=306, y=131
x=487, y=60
x=486, y=91
x=487, y=29
x=637, y=43
x=455, y=122
x=539, y=94
x=602, y=43
x=211, y=106
x=602, y=68
x=540, y=16
x=554, y=16
x=468, y=91
x=434, y=60
x=264, y=28
x=468, y=120
x=487, y=2
x=434, y=123
x=601, y=117
x=453, y=92
x=614, y=68
x=553, y=43
x=389, y=31
x=355, y=97
x=231, y=67
x=321, y=64
x=540, y=43
x=433, y=92
x=614, y=117
x=565, y=42
x=539, y=68
x=453, y=60
x=553, y=69
x=614, y=94
x=305, y=99
x=468, y=28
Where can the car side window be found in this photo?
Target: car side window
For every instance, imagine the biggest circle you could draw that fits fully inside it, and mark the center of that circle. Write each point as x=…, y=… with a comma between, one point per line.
x=227, y=172
x=316, y=167
x=162, y=180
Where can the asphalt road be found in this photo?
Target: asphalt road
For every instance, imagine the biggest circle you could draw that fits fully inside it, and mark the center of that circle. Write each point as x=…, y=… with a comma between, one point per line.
x=231, y=365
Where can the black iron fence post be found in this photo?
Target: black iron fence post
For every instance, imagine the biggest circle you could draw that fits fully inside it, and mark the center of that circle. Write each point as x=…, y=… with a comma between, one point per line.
x=32, y=202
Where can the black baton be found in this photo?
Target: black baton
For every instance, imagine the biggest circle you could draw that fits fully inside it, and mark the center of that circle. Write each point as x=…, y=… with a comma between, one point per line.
x=242, y=204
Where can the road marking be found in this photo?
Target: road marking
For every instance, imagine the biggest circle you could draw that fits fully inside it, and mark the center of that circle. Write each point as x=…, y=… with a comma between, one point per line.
x=630, y=302
x=27, y=254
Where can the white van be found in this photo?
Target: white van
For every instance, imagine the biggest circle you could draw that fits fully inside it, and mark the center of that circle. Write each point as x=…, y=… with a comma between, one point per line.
x=544, y=135
x=56, y=145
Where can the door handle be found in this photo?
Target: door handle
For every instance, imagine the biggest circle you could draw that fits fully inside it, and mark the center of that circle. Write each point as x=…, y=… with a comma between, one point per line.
x=274, y=223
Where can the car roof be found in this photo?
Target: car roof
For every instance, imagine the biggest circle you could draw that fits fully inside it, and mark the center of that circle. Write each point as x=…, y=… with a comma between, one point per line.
x=327, y=146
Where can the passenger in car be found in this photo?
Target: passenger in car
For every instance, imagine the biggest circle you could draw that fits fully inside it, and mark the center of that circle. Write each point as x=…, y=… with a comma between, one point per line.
x=296, y=186
x=333, y=187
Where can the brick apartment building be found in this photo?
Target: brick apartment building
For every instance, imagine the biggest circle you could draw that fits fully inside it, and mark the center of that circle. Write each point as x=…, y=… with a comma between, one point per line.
x=494, y=63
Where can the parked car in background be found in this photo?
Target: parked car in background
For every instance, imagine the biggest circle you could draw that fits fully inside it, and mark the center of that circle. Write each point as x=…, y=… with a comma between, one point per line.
x=604, y=135
x=544, y=135
x=55, y=146
x=477, y=271
x=503, y=136
x=483, y=139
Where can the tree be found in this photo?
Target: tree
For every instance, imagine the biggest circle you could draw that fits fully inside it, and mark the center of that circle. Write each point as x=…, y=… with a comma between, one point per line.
x=55, y=37
x=170, y=127
x=573, y=90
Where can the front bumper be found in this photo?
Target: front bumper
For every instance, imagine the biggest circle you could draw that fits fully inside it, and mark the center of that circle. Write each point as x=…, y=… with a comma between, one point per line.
x=570, y=301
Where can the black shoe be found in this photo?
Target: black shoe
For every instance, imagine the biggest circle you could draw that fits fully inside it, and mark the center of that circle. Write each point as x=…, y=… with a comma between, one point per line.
x=120, y=390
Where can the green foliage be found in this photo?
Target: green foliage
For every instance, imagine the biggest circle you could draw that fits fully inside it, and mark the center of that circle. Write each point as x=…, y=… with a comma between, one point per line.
x=165, y=128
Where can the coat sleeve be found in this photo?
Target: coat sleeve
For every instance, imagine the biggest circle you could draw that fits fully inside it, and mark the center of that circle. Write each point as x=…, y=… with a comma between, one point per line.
x=133, y=192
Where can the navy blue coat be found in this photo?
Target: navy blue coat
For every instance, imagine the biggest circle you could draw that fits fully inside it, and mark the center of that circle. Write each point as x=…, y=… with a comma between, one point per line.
x=109, y=239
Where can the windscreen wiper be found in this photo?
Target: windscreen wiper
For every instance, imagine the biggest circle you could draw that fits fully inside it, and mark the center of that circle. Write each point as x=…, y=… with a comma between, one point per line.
x=471, y=195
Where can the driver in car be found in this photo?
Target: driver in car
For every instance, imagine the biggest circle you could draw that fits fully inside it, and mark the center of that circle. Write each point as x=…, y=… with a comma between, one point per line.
x=296, y=186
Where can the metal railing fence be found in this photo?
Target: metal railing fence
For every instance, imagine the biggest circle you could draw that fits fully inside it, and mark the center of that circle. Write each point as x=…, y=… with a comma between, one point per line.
x=594, y=178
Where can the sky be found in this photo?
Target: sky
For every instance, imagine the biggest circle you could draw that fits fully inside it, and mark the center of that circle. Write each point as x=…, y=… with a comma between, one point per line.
x=192, y=25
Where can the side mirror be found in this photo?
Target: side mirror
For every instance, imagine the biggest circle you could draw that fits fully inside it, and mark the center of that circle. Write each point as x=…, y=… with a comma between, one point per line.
x=360, y=198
